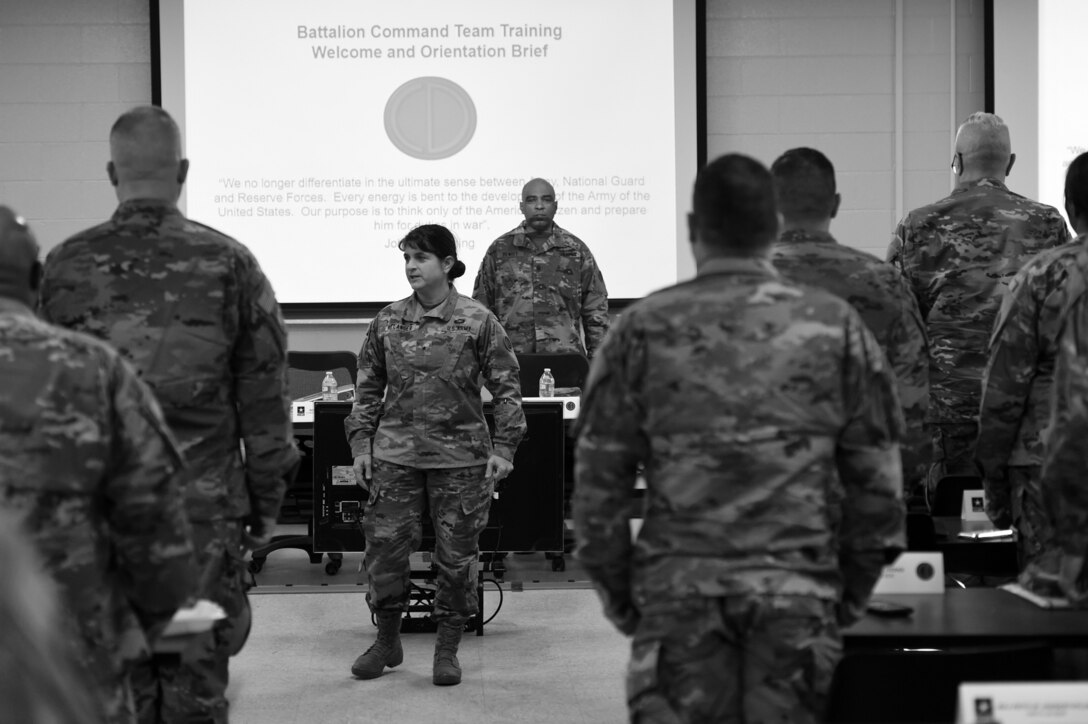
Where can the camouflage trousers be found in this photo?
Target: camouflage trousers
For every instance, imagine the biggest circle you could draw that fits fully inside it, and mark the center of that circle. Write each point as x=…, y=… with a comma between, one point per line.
x=1028, y=514
x=459, y=501
x=751, y=659
x=193, y=689
x=953, y=452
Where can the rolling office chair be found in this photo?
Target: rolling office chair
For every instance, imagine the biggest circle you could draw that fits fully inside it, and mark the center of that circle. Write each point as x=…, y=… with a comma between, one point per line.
x=569, y=370
x=922, y=685
x=305, y=372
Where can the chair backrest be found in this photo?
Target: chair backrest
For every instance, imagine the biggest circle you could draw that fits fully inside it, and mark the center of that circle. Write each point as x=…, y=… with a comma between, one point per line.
x=921, y=533
x=306, y=370
x=948, y=495
x=569, y=370
x=921, y=686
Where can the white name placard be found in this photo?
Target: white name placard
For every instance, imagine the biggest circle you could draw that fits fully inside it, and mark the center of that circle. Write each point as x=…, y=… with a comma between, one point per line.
x=974, y=505
x=913, y=572
x=1050, y=702
x=570, y=404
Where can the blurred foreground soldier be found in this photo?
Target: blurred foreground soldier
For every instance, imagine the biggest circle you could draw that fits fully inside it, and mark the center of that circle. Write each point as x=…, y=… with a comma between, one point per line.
x=90, y=471
x=1060, y=569
x=1017, y=382
x=958, y=254
x=192, y=310
x=40, y=678
x=543, y=283
x=806, y=253
x=767, y=424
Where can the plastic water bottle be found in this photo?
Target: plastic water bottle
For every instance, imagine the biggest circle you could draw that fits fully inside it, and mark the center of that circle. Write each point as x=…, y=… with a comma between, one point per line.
x=328, y=387
x=547, y=383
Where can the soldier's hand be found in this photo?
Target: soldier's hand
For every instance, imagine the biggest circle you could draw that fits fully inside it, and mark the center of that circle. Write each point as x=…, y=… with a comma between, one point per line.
x=258, y=532
x=497, y=469
x=363, y=470
x=1068, y=576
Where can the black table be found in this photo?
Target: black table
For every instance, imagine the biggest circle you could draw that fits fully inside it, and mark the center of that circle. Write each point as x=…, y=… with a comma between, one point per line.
x=984, y=556
x=968, y=617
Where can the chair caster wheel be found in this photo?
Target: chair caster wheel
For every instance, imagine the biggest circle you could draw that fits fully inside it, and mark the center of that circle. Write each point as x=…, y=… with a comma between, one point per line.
x=255, y=565
x=559, y=564
x=333, y=567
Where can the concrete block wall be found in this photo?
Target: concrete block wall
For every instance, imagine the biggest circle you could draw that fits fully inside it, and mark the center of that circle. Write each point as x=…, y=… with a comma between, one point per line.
x=823, y=73
x=68, y=68
x=781, y=73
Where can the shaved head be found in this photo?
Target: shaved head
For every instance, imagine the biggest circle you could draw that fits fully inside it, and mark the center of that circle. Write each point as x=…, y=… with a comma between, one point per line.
x=19, y=267
x=145, y=154
x=983, y=142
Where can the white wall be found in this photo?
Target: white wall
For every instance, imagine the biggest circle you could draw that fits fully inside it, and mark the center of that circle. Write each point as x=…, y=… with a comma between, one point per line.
x=858, y=79
x=827, y=74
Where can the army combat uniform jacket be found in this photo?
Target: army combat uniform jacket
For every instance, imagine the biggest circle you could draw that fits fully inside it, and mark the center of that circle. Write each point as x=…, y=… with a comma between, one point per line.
x=417, y=399
x=878, y=292
x=192, y=310
x=1017, y=383
x=768, y=426
x=544, y=297
x=1065, y=496
x=87, y=464
x=958, y=255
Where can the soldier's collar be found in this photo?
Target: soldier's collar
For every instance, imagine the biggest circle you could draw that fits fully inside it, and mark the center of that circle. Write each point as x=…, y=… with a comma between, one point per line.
x=444, y=311
x=987, y=181
x=759, y=266
x=14, y=306
x=524, y=238
x=795, y=236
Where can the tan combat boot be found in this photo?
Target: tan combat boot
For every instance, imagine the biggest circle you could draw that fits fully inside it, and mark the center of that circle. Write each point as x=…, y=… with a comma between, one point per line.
x=447, y=670
x=385, y=651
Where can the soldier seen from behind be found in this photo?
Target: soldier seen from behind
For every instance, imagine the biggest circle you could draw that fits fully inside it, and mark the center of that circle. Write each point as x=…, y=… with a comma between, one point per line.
x=543, y=283
x=807, y=253
x=766, y=423
x=958, y=255
x=89, y=472
x=194, y=313
x=1018, y=385
x=420, y=440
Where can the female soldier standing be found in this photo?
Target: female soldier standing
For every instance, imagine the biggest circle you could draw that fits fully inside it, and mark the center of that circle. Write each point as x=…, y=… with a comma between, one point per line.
x=417, y=431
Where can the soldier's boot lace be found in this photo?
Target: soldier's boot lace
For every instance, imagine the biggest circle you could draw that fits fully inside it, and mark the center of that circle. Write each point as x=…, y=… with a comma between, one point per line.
x=385, y=651
x=447, y=670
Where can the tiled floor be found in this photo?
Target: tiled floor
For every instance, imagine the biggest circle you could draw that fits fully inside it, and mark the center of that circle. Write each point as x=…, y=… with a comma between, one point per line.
x=548, y=655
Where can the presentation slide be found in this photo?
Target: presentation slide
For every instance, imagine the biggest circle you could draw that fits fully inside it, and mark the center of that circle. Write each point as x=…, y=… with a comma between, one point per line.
x=1036, y=67
x=320, y=133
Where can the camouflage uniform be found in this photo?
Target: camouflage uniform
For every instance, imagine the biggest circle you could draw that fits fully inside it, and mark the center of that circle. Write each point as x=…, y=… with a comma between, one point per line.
x=1016, y=389
x=87, y=463
x=957, y=255
x=881, y=296
x=1065, y=458
x=191, y=309
x=419, y=412
x=768, y=425
x=540, y=291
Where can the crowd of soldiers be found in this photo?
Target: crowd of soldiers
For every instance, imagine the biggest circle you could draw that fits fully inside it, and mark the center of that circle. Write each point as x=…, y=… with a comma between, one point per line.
x=781, y=407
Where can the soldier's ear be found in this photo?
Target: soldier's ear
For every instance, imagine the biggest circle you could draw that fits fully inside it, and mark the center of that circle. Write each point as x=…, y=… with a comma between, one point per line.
x=835, y=205
x=183, y=170
x=1012, y=160
x=691, y=228
x=111, y=172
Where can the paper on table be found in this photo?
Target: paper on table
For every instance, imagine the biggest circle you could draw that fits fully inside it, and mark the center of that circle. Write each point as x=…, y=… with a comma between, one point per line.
x=983, y=534
x=197, y=618
x=1041, y=601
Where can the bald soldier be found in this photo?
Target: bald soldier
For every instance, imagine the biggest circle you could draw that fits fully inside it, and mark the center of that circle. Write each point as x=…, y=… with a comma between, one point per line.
x=191, y=309
x=807, y=253
x=91, y=474
x=766, y=422
x=543, y=283
x=958, y=255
